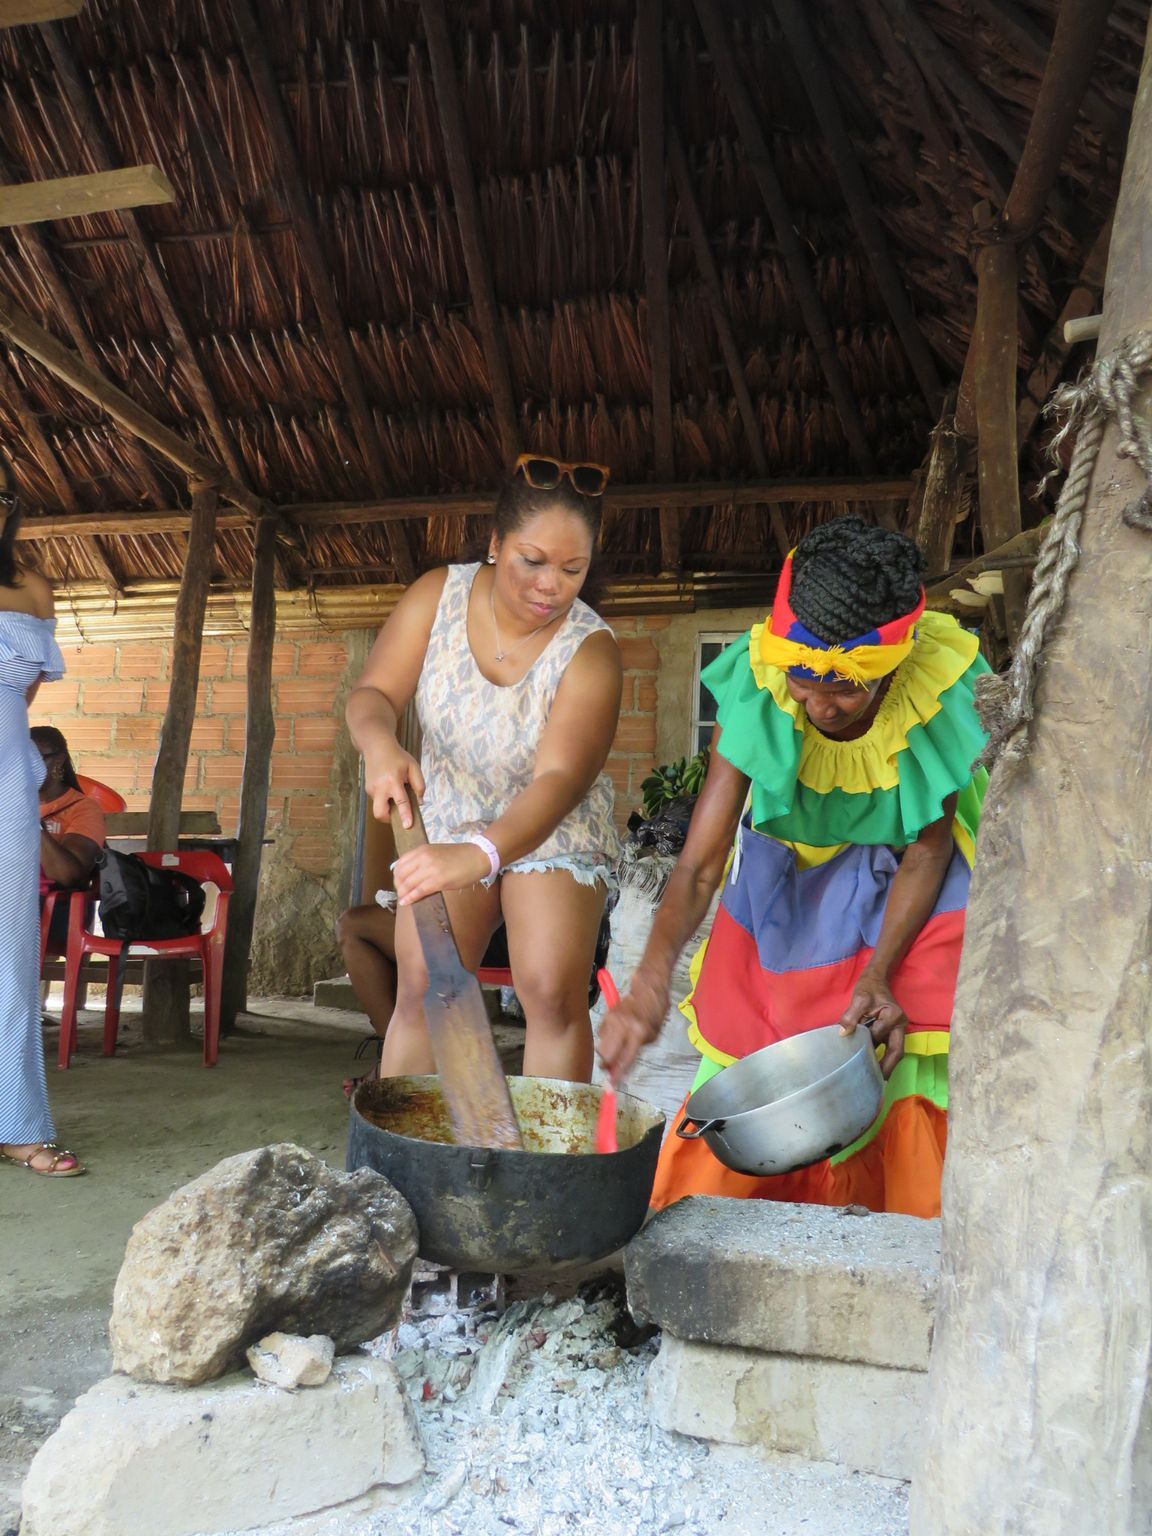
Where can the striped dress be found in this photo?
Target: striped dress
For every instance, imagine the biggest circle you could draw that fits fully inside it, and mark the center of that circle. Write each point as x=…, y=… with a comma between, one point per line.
x=28, y=651
x=804, y=903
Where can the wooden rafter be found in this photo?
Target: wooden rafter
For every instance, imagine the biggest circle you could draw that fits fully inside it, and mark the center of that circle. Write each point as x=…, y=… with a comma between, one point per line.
x=95, y=136
x=854, y=187
x=1053, y=354
x=477, y=261
x=714, y=288
x=74, y=197
x=316, y=267
x=45, y=455
x=796, y=261
x=654, y=227
x=23, y=13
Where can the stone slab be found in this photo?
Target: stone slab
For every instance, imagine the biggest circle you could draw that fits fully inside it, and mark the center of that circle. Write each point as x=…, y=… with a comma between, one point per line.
x=789, y=1279
x=864, y=1417
x=135, y=1459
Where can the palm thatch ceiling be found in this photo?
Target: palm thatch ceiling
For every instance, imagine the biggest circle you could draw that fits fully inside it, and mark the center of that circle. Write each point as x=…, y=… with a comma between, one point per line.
x=370, y=378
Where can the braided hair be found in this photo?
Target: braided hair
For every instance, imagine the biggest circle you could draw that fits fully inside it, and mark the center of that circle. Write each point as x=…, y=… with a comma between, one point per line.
x=849, y=577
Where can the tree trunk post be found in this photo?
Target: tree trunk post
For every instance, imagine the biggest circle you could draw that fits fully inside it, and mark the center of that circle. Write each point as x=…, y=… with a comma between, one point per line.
x=1038, y=1404
x=166, y=983
x=259, y=735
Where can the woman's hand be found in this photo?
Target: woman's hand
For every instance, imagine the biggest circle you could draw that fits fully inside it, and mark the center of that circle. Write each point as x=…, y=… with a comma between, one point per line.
x=389, y=774
x=872, y=1001
x=635, y=1022
x=438, y=867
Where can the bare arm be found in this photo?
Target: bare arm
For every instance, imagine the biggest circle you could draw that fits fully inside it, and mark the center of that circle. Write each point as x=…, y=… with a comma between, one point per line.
x=573, y=748
x=384, y=690
x=911, y=898
x=638, y=1019
x=43, y=606
x=67, y=860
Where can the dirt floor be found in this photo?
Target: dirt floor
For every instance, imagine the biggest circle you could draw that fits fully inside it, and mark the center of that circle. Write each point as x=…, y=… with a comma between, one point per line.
x=144, y=1122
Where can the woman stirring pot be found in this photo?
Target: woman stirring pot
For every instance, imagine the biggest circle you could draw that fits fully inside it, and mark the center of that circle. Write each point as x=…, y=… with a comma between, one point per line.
x=517, y=684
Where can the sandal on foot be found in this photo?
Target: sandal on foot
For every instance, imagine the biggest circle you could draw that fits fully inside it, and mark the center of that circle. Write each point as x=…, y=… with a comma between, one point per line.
x=57, y=1153
x=352, y=1083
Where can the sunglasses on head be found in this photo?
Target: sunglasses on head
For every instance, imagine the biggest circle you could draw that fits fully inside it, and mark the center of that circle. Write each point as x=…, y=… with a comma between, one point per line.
x=545, y=474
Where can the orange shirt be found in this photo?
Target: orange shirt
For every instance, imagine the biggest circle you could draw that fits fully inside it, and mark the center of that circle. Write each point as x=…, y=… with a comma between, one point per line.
x=71, y=813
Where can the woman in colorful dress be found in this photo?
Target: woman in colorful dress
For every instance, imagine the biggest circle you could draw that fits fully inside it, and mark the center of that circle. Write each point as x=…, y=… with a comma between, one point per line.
x=29, y=656
x=841, y=769
x=517, y=685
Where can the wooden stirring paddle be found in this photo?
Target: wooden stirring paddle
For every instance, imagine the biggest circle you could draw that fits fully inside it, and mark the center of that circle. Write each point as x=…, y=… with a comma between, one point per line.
x=475, y=1088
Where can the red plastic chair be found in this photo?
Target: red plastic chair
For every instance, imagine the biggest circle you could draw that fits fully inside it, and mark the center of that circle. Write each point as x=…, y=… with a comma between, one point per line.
x=494, y=976
x=207, y=946
x=109, y=800
x=83, y=897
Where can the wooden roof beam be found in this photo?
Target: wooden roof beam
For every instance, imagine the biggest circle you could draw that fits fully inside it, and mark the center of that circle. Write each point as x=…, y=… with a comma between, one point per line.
x=654, y=231
x=76, y=197
x=315, y=264
x=1015, y=23
x=854, y=188
x=714, y=288
x=23, y=13
x=477, y=262
x=796, y=261
x=45, y=455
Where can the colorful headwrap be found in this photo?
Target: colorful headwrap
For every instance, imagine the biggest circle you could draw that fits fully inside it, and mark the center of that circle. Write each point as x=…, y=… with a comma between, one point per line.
x=785, y=643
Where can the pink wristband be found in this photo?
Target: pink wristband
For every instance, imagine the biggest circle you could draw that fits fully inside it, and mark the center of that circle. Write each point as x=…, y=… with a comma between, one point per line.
x=486, y=845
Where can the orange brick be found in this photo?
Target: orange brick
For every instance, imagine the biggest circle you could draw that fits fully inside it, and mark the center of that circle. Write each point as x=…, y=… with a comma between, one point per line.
x=639, y=655
x=619, y=770
x=623, y=627
x=635, y=734
x=305, y=697
x=315, y=734
x=222, y=771
x=156, y=698
x=229, y=698
x=118, y=772
x=208, y=734
x=143, y=660
x=112, y=698
x=139, y=731
x=92, y=660
x=322, y=658
x=306, y=813
x=57, y=698
x=312, y=854
x=302, y=771
x=283, y=660
x=85, y=736
x=213, y=660
x=137, y=801
x=646, y=695
x=654, y=624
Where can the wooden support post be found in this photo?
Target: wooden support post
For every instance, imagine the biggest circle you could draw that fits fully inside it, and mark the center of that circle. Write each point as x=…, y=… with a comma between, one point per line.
x=259, y=735
x=654, y=228
x=74, y=197
x=796, y=261
x=714, y=288
x=1037, y=1411
x=994, y=349
x=813, y=70
x=942, y=498
x=454, y=133
x=166, y=983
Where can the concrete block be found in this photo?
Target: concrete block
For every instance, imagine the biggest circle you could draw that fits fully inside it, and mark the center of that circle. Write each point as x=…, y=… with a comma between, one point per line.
x=337, y=993
x=789, y=1279
x=135, y=1459
x=860, y=1416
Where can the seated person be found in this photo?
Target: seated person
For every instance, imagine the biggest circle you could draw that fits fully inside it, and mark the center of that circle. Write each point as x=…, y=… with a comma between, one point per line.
x=71, y=827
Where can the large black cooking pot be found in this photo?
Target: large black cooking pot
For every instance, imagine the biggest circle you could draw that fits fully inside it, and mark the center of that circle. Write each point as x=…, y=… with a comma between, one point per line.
x=557, y=1202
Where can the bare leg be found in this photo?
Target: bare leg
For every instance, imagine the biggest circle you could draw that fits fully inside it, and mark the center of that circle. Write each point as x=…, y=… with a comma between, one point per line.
x=475, y=916
x=367, y=939
x=552, y=922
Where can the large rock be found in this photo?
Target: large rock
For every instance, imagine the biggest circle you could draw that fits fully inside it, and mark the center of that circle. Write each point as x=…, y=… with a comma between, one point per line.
x=268, y=1240
x=790, y=1279
x=133, y=1459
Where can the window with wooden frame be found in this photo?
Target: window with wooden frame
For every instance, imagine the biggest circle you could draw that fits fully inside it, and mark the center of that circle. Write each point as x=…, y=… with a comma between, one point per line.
x=709, y=644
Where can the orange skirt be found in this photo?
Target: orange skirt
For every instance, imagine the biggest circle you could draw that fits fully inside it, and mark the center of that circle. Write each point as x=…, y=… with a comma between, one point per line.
x=899, y=1170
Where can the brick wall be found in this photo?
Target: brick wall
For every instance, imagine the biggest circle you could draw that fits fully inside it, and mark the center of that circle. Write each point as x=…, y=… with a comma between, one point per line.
x=111, y=704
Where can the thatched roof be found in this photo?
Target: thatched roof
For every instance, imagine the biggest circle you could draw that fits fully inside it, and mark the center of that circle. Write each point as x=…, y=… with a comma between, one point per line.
x=551, y=104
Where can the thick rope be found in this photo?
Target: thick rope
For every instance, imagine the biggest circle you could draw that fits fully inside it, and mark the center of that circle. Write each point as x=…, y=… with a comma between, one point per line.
x=1107, y=392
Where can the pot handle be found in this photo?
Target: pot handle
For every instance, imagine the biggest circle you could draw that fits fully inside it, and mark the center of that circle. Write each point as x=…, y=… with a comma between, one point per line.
x=701, y=1127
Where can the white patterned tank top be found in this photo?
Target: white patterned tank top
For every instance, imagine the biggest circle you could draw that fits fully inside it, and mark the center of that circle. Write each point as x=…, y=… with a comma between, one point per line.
x=480, y=738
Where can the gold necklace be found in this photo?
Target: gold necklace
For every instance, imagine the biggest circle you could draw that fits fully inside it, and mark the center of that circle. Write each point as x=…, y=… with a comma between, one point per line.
x=501, y=653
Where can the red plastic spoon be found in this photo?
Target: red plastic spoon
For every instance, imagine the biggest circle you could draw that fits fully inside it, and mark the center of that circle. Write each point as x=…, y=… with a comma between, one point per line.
x=606, y=1121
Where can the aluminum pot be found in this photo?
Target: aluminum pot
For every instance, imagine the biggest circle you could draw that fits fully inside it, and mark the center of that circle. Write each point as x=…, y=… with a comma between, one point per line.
x=789, y=1105
x=557, y=1202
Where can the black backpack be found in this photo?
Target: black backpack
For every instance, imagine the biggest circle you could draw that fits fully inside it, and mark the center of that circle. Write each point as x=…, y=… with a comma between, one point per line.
x=139, y=902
